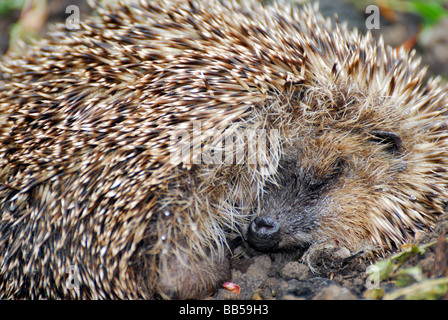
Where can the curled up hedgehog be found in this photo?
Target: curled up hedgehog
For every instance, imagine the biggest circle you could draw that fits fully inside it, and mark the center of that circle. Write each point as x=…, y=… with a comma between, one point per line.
x=131, y=148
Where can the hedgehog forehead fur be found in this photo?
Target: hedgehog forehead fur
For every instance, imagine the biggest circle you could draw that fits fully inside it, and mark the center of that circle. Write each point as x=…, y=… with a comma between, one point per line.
x=87, y=120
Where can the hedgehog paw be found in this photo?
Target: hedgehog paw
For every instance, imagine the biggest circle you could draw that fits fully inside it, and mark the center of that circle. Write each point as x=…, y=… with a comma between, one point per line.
x=192, y=277
x=326, y=257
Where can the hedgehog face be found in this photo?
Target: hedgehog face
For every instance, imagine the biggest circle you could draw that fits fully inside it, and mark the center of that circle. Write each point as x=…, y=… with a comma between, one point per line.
x=315, y=193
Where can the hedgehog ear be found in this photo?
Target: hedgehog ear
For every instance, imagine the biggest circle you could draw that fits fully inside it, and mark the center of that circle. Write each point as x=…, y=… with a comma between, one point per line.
x=390, y=139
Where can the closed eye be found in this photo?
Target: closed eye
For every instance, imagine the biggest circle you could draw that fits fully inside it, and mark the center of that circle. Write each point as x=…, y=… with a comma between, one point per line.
x=318, y=185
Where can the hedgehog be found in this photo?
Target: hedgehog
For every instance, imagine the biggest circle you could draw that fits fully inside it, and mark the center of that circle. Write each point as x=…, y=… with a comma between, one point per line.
x=133, y=149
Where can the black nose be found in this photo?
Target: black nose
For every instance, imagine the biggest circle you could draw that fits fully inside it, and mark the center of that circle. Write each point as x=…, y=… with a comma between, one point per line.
x=264, y=233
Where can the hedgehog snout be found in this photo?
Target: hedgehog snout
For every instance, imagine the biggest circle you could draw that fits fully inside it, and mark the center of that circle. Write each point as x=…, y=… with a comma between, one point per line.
x=264, y=233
